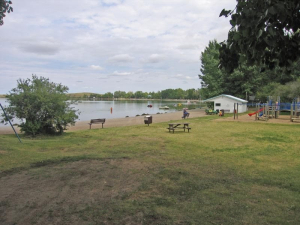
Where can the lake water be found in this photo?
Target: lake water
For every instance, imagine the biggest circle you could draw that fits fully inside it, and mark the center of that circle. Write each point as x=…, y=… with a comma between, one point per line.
x=121, y=109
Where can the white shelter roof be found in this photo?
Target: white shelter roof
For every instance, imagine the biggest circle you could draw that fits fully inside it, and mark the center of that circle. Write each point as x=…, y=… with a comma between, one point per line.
x=226, y=96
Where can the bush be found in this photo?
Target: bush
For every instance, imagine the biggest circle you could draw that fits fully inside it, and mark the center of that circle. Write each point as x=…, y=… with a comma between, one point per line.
x=41, y=105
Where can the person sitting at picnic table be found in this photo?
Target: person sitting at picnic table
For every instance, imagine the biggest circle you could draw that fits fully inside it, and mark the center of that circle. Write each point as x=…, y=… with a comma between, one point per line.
x=185, y=113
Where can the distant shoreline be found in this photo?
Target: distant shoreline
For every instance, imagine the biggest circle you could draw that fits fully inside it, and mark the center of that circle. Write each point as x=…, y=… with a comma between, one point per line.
x=127, y=99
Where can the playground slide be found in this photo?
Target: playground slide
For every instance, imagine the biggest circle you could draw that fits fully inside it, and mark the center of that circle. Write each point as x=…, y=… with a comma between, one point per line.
x=251, y=114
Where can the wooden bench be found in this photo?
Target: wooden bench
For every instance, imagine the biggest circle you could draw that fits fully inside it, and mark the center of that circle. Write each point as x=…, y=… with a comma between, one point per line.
x=96, y=121
x=295, y=119
x=173, y=126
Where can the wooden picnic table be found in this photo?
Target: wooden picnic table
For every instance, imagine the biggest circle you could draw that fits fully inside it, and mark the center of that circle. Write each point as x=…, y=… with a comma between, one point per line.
x=173, y=126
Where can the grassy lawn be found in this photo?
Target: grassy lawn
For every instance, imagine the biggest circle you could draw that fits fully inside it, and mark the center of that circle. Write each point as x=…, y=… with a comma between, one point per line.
x=219, y=173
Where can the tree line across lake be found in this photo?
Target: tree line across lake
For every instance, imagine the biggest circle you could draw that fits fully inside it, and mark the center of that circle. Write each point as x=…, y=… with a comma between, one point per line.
x=165, y=94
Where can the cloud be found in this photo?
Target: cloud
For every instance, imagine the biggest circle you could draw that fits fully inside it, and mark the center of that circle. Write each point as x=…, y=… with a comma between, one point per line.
x=184, y=77
x=122, y=58
x=111, y=2
x=116, y=73
x=40, y=47
x=154, y=40
x=96, y=67
x=155, y=58
x=188, y=47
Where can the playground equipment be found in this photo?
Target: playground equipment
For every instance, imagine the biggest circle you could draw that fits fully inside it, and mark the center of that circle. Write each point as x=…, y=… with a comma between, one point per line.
x=272, y=109
x=265, y=111
x=262, y=112
x=295, y=110
x=251, y=114
x=236, y=111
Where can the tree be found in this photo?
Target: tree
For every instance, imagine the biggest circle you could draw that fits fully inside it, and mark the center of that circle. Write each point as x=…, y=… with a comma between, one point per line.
x=139, y=94
x=42, y=104
x=265, y=33
x=192, y=94
x=120, y=94
x=287, y=92
x=108, y=95
x=4, y=8
x=211, y=77
x=244, y=80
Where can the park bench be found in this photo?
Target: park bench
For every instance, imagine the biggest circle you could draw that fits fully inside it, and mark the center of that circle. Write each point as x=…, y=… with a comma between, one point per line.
x=96, y=121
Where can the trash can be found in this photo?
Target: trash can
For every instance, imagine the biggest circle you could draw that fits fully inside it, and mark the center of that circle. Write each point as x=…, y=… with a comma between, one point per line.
x=223, y=111
x=148, y=120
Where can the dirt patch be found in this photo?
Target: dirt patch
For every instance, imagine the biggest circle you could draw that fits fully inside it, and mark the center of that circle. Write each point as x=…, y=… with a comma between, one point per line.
x=282, y=119
x=66, y=192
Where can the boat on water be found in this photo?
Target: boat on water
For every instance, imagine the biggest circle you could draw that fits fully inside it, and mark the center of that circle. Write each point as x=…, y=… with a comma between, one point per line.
x=164, y=107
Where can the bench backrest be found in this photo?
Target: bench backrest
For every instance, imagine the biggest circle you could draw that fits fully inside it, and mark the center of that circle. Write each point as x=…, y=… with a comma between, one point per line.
x=97, y=120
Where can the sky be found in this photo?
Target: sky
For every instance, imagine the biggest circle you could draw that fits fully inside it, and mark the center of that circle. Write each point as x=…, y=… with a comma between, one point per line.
x=104, y=46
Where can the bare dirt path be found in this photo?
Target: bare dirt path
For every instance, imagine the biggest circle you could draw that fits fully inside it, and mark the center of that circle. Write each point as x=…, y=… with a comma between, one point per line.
x=71, y=193
x=282, y=119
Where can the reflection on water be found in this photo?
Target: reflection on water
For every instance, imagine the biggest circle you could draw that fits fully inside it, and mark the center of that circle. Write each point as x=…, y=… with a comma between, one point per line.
x=120, y=109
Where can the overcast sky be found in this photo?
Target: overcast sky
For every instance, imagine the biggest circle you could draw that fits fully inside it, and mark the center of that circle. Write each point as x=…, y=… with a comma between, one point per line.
x=108, y=45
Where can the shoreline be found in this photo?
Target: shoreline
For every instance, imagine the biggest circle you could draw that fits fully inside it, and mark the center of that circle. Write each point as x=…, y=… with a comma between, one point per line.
x=121, y=122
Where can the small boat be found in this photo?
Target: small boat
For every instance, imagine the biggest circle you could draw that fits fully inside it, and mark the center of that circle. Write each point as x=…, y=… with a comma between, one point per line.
x=149, y=105
x=164, y=107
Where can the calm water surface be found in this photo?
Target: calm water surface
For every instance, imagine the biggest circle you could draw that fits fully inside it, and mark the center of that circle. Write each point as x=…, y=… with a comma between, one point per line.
x=120, y=109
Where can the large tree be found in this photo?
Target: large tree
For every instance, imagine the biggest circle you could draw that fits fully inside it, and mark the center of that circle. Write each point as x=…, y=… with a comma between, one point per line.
x=264, y=32
x=211, y=77
x=41, y=105
x=245, y=80
x=4, y=8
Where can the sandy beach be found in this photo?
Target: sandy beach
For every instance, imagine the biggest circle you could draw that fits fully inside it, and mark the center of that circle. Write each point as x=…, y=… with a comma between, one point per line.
x=118, y=122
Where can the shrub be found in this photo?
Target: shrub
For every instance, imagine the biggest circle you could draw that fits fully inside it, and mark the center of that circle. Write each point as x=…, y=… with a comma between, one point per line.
x=41, y=105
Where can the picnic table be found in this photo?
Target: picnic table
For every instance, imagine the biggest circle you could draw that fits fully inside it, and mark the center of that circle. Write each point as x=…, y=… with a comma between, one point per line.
x=173, y=126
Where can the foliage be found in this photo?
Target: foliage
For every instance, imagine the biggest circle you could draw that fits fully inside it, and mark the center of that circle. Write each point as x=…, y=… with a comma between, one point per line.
x=165, y=94
x=4, y=8
x=180, y=94
x=140, y=94
x=211, y=77
x=119, y=94
x=244, y=80
x=263, y=32
x=108, y=95
x=287, y=92
x=42, y=104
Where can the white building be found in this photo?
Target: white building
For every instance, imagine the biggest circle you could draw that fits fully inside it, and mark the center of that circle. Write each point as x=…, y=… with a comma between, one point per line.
x=226, y=102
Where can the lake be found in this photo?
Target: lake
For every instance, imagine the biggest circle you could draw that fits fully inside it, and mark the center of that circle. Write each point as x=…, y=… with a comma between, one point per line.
x=120, y=109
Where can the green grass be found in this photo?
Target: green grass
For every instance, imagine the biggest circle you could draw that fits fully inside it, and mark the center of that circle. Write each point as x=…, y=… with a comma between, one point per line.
x=219, y=173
